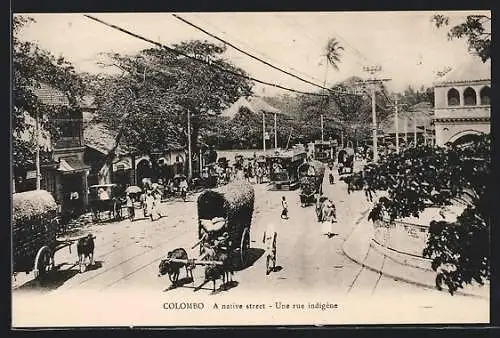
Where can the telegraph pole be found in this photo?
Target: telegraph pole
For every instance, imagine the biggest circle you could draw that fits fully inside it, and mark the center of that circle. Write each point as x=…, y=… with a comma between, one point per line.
x=264, y=132
x=396, y=105
x=372, y=70
x=37, y=144
x=414, y=130
x=190, y=164
x=275, y=132
x=322, y=134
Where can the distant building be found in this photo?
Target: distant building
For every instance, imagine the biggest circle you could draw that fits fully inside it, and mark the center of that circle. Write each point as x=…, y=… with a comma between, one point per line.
x=415, y=122
x=462, y=103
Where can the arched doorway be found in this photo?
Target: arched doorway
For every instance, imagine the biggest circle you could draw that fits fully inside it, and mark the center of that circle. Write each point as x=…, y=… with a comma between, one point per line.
x=464, y=138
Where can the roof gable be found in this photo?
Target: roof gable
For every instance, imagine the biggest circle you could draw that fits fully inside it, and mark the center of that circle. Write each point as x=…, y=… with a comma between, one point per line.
x=469, y=71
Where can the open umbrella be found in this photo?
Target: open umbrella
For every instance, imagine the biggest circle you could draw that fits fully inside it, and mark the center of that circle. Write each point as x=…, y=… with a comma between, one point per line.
x=133, y=189
x=180, y=176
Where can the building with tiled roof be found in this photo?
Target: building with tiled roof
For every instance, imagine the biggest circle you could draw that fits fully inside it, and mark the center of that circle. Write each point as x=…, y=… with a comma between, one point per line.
x=254, y=104
x=462, y=102
x=127, y=166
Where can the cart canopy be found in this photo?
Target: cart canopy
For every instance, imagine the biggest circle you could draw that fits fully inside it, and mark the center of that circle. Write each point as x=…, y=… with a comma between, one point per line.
x=234, y=202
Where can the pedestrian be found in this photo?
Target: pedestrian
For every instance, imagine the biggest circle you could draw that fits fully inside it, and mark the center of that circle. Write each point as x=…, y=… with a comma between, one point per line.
x=284, y=211
x=328, y=217
x=149, y=204
x=130, y=207
x=270, y=249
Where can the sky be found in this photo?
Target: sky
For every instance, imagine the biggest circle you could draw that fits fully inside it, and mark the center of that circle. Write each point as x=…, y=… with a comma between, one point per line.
x=407, y=45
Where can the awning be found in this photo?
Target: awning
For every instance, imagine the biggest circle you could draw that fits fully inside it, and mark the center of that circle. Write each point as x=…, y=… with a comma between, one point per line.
x=72, y=165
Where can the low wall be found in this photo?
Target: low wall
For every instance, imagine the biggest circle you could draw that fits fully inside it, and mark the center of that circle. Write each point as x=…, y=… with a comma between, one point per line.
x=403, y=242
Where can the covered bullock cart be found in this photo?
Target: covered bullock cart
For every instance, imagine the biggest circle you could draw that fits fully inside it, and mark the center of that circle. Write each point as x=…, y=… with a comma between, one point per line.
x=227, y=210
x=36, y=233
x=311, y=176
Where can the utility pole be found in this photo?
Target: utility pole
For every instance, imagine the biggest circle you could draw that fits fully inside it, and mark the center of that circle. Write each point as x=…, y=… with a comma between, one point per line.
x=275, y=132
x=190, y=162
x=264, y=132
x=372, y=70
x=396, y=106
x=322, y=133
x=414, y=130
x=37, y=144
x=406, y=130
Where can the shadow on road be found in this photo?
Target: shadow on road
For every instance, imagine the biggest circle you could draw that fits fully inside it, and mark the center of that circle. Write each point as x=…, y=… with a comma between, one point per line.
x=253, y=255
x=56, y=278
x=180, y=283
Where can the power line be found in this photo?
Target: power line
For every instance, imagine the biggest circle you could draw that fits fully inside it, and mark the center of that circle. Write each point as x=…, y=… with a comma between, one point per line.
x=250, y=55
x=254, y=50
x=209, y=63
x=356, y=51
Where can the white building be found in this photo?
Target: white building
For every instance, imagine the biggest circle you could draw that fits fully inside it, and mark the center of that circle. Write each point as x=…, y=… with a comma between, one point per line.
x=462, y=103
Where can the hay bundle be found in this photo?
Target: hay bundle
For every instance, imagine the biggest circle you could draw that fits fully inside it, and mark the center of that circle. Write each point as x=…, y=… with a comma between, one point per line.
x=234, y=202
x=32, y=205
x=33, y=225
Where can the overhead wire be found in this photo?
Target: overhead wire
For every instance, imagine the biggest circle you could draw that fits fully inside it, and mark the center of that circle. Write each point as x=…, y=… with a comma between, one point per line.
x=137, y=36
x=248, y=47
x=251, y=55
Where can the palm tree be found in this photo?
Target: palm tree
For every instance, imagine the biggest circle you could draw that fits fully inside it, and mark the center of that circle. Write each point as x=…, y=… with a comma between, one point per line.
x=333, y=53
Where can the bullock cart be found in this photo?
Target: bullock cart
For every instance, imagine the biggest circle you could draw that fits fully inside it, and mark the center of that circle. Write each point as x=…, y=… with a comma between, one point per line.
x=36, y=234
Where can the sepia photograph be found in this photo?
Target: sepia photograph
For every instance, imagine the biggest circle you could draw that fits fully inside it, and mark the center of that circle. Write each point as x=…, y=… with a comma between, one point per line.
x=207, y=169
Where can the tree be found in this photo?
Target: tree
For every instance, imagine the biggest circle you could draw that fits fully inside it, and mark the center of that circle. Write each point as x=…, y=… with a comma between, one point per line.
x=431, y=176
x=476, y=29
x=148, y=103
x=32, y=66
x=333, y=52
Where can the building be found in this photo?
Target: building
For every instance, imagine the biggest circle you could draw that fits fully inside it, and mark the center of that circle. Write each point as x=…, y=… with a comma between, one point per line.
x=414, y=123
x=462, y=103
x=65, y=171
x=127, y=166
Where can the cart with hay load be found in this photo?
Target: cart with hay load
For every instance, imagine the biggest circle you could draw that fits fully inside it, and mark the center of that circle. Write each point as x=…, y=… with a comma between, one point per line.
x=36, y=233
x=224, y=220
x=311, y=180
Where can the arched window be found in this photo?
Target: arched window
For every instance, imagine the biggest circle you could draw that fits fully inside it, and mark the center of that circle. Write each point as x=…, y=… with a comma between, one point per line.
x=470, y=97
x=485, y=95
x=453, y=97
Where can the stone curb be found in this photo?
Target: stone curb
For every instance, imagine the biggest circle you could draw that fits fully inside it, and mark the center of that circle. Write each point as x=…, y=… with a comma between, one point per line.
x=362, y=261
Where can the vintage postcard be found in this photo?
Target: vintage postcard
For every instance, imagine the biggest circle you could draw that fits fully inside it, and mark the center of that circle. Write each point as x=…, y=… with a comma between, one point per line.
x=266, y=168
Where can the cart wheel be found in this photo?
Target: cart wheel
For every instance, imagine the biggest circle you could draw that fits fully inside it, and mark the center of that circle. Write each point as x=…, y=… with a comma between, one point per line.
x=244, y=246
x=44, y=263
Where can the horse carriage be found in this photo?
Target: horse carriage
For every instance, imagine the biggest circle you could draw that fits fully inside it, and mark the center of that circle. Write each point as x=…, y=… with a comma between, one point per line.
x=37, y=234
x=311, y=180
x=224, y=220
x=346, y=161
x=106, y=198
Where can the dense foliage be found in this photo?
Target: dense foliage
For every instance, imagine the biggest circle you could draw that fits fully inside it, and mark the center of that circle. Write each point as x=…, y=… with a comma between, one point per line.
x=148, y=102
x=431, y=176
x=32, y=66
x=476, y=29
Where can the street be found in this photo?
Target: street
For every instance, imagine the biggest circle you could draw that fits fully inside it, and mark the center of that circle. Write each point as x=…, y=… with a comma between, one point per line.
x=309, y=264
